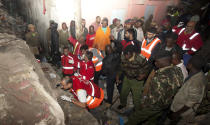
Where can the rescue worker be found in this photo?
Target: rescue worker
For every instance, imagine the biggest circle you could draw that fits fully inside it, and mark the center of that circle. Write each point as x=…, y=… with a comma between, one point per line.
x=86, y=67
x=77, y=44
x=189, y=40
x=90, y=36
x=150, y=44
x=68, y=62
x=88, y=96
x=32, y=39
x=160, y=92
x=97, y=61
x=135, y=69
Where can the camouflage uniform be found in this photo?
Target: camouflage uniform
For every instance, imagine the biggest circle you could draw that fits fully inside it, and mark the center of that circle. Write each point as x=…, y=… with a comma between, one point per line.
x=32, y=39
x=132, y=70
x=164, y=85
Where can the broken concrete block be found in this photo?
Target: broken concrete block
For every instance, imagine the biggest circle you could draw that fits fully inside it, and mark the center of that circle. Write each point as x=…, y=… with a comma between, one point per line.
x=27, y=96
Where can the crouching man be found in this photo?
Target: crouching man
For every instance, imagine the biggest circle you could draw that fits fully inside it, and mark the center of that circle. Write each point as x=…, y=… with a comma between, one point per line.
x=85, y=95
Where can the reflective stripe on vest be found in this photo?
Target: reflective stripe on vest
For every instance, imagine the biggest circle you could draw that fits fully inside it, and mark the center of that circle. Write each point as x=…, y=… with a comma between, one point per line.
x=68, y=67
x=193, y=49
x=98, y=67
x=193, y=36
x=181, y=30
x=146, y=50
x=184, y=47
x=94, y=59
x=75, y=47
x=173, y=30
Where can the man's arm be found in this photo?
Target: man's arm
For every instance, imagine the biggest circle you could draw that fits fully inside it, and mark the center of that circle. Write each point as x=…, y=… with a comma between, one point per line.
x=78, y=103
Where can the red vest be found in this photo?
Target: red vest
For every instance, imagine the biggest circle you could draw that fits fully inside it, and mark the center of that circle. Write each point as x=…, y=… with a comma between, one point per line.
x=125, y=44
x=189, y=42
x=87, y=70
x=76, y=45
x=90, y=39
x=67, y=67
x=92, y=89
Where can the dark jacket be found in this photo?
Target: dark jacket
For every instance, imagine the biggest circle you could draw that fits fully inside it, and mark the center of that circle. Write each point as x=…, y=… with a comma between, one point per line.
x=111, y=64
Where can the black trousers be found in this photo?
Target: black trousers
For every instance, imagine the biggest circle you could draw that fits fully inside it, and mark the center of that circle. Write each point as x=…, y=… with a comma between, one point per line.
x=110, y=81
x=97, y=76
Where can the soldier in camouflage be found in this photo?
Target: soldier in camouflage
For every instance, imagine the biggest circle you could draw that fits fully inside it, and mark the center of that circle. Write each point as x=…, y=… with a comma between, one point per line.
x=161, y=89
x=135, y=68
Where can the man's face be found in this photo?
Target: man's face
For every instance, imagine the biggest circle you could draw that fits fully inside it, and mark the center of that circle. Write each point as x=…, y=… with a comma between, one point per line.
x=65, y=85
x=104, y=24
x=83, y=52
x=98, y=19
x=127, y=35
x=118, y=23
x=32, y=29
x=174, y=59
x=66, y=52
x=158, y=63
x=150, y=35
x=190, y=27
x=170, y=42
x=128, y=55
x=108, y=50
x=127, y=26
x=86, y=58
x=83, y=23
x=64, y=27
x=189, y=66
x=91, y=29
x=138, y=24
x=166, y=26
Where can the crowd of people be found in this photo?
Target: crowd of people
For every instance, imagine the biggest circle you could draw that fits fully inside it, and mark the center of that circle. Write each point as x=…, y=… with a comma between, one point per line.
x=159, y=64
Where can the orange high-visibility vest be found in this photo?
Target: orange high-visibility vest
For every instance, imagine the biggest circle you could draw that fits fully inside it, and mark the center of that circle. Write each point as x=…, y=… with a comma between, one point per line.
x=146, y=50
x=96, y=55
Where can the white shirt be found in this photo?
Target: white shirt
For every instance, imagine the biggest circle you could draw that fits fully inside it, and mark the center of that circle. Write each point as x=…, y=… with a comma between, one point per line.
x=140, y=34
x=183, y=68
x=82, y=95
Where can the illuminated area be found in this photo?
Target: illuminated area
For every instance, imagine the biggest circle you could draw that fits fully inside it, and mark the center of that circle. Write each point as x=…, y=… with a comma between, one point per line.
x=63, y=11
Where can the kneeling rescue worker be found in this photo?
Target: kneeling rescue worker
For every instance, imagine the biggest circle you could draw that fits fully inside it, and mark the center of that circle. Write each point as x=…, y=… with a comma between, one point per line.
x=85, y=95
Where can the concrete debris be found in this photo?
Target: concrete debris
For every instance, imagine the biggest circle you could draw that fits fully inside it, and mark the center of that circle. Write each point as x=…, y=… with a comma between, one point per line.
x=28, y=95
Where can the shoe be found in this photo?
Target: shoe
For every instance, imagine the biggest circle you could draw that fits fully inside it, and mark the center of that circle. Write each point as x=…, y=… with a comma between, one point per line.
x=120, y=107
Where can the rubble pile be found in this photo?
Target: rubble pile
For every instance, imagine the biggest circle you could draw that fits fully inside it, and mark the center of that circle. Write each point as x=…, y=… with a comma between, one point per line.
x=27, y=94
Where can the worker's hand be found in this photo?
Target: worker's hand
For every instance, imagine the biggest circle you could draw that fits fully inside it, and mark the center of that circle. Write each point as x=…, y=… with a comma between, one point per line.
x=141, y=77
x=66, y=98
x=118, y=81
x=71, y=61
x=76, y=74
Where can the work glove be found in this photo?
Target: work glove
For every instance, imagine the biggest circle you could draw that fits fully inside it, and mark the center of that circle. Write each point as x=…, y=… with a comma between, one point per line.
x=66, y=98
x=71, y=61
